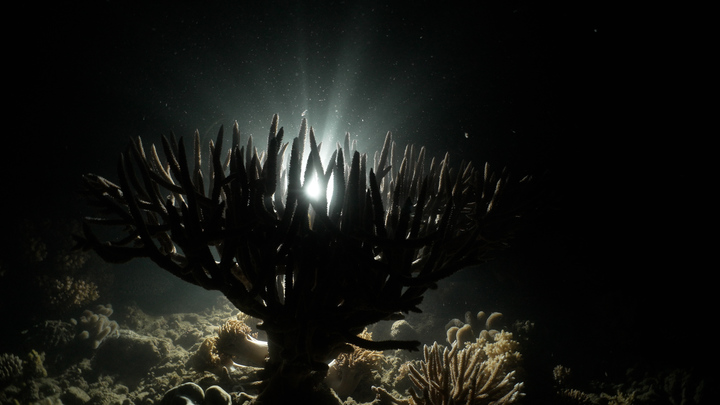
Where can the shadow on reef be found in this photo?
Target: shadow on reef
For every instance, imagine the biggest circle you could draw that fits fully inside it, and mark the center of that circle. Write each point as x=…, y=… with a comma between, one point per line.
x=315, y=270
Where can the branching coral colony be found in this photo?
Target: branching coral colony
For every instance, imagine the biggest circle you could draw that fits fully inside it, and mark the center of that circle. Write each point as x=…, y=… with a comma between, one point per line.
x=316, y=271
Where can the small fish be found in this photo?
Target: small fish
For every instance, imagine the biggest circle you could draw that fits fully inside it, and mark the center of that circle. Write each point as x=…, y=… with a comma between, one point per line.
x=303, y=113
x=467, y=135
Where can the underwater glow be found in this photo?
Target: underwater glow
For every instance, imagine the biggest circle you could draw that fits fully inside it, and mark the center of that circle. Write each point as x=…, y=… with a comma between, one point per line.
x=312, y=190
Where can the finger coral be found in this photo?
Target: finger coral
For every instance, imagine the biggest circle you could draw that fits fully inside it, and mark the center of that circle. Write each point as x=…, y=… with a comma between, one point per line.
x=95, y=327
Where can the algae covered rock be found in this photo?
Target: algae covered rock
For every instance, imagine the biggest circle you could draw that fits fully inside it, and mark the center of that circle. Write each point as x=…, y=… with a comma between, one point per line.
x=130, y=354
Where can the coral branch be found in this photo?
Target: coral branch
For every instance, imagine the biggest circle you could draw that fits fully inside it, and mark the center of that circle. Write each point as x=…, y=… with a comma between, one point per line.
x=315, y=271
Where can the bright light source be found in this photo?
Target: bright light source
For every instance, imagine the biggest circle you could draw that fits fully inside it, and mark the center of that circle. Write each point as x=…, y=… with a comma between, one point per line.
x=313, y=189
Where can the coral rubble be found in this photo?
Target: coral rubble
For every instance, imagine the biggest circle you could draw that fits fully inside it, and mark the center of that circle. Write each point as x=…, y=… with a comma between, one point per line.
x=315, y=270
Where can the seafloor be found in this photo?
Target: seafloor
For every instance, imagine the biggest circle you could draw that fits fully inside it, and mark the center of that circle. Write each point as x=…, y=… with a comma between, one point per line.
x=148, y=355
x=79, y=337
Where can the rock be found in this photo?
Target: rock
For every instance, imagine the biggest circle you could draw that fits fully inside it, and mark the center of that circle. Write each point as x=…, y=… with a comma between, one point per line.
x=74, y=396
x=130, y=355
x=217, y=396
x=192, y=394
x=184, y=394
x=402, y=330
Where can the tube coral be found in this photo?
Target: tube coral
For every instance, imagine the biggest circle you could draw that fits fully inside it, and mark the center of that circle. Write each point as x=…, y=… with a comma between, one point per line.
x=316, y=271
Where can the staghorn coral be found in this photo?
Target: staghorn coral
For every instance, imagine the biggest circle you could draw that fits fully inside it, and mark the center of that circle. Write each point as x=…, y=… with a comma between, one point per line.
x=482, y=372
x=315, y=270
x=348, y=369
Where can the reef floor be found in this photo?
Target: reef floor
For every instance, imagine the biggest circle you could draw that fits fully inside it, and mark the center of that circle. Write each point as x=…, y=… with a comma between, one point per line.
x=125, y=356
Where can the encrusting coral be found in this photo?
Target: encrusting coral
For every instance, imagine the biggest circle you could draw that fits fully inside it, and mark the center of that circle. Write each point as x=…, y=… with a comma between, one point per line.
x=315, y=270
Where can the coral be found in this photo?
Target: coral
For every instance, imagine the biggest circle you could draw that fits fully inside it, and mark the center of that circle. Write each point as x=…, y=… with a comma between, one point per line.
x=474, y=326
x=131, y=355
x=68, y=293
x=235, y=345
x=671, y=386
x=95, y=327
x=11, y=368
x=315, y=270
x=482, y=372
x=402, y=330
x=348, y=369
x=206, y=356
x=34, y=250
x=34, y=366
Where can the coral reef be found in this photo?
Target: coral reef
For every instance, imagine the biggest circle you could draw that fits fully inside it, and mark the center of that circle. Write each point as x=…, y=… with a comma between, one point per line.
x=473, y=327
x=239, y=344
x=145, y=352
x=95, y=327
x=348, y=369
x=482, y=372
x=40, y=270
x=315, y=270
x=667, y=386
x=11, y=368
x=235, y=345
x=71, y=293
